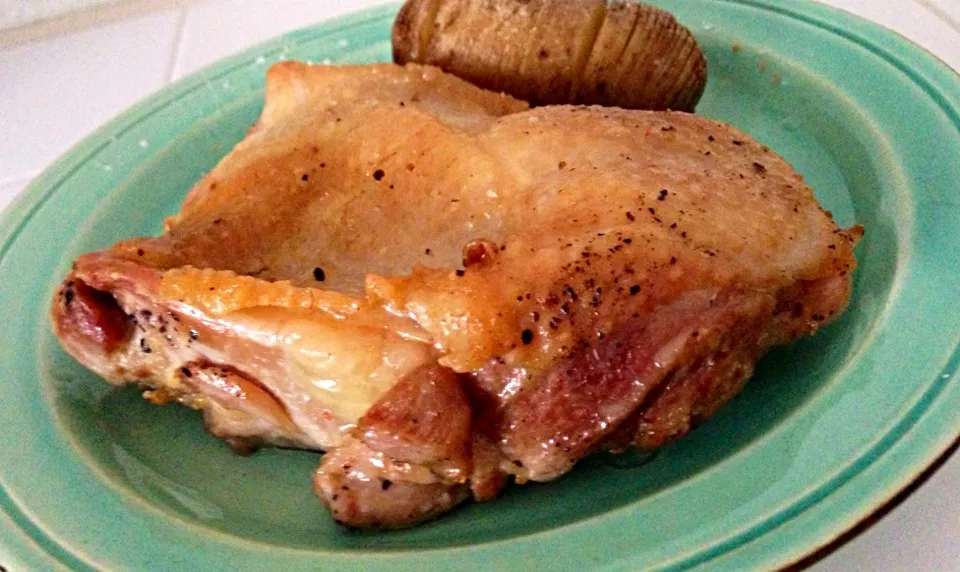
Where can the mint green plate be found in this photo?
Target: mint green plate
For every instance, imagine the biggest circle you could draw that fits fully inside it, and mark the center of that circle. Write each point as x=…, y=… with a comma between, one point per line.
x=829, y=429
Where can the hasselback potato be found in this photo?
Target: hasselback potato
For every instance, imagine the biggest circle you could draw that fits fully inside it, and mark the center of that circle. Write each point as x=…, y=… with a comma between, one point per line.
x=558, y=51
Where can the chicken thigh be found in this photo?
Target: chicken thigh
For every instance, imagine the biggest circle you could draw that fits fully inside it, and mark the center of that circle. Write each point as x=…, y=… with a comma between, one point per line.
x=447, y=290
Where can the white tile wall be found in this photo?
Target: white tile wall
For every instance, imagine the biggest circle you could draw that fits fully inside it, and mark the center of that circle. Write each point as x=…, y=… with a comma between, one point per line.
x=217, y=28
x=55, y=91
x=17, y=13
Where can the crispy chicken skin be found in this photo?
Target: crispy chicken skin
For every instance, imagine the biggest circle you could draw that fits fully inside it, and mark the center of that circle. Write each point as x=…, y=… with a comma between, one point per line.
x=449, y=290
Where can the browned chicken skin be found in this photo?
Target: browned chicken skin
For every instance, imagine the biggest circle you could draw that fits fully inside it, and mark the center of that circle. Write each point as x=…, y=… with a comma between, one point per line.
x=447, y=290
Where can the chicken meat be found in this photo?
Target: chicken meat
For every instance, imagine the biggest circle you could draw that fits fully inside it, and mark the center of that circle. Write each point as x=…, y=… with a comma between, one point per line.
x=447, y=291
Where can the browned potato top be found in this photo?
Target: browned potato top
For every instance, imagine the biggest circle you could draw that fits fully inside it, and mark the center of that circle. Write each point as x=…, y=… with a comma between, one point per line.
x=558, y=51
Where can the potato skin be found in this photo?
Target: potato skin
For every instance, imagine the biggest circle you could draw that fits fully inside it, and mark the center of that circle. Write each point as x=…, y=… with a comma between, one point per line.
x=602, y=70
x=624, y=54
x=408, y=27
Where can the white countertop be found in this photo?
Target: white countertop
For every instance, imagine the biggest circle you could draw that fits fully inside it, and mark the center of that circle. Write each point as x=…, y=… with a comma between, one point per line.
x=56, y=90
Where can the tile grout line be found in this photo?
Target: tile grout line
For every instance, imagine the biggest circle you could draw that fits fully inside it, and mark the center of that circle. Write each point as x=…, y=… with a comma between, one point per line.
x=176, y=48
x=77, y=20
x=940, y=14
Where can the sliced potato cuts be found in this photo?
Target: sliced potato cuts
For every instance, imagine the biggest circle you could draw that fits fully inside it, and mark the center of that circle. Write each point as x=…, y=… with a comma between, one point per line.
x=623, y=54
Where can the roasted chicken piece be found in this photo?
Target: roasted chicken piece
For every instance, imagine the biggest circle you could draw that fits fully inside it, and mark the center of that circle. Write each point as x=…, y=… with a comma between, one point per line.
x=447, y=290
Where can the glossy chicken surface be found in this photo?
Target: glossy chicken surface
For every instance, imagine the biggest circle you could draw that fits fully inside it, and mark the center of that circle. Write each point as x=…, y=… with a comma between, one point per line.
x=451, y=290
